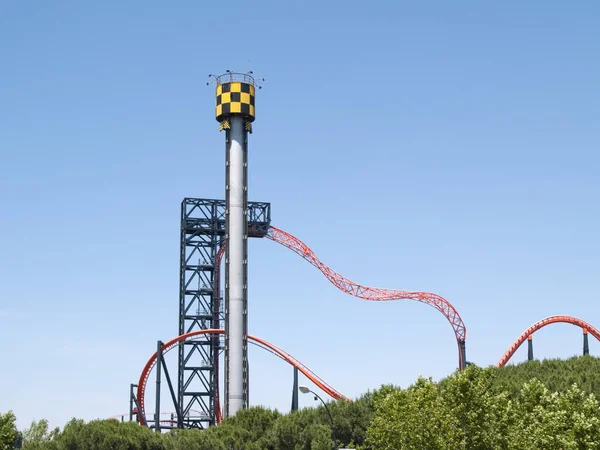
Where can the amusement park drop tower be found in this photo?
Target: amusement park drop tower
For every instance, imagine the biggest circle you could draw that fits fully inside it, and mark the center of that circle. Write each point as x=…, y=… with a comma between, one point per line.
x=235, y=114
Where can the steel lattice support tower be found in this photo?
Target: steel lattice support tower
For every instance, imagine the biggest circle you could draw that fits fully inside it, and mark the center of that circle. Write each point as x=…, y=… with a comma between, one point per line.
x=202, y=232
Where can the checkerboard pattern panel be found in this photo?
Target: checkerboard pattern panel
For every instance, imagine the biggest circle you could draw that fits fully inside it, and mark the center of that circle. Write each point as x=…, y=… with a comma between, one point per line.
x=235, y=98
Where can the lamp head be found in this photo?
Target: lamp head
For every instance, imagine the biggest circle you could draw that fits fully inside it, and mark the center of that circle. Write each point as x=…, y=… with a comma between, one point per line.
x=304, y=389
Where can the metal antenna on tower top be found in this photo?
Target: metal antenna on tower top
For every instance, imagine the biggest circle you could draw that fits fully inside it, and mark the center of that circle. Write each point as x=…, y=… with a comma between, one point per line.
x=229, y=76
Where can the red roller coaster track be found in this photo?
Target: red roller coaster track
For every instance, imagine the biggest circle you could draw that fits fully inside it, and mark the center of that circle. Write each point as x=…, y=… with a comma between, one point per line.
x=541, y=324
x=369, y=293
x=141, y=392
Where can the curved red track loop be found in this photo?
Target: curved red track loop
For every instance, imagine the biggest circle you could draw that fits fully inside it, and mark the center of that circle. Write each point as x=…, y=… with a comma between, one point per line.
x=369, y=293
x=179, y=339
x=541, y=324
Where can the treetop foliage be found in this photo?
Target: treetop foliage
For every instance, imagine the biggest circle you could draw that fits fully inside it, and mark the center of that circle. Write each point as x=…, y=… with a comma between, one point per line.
x=8, y=431
x=549, y=405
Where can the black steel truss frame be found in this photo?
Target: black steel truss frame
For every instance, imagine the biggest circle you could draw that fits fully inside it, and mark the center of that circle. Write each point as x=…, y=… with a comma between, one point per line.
x=202, y=232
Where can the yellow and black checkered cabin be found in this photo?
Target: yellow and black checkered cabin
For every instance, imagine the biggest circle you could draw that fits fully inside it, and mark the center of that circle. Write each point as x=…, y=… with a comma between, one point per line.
x=235, y=98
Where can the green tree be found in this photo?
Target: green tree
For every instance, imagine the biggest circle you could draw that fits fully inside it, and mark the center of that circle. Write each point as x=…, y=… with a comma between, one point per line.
x=350, y=419
x=321, y=438
x=108, y=435
x=556, y=420
x=248, y=427
x=292, y=431
x=481, y=412
x=557, y=375
x=37, y=434
x=194, y=440
x=413, y=419
x=8, y=431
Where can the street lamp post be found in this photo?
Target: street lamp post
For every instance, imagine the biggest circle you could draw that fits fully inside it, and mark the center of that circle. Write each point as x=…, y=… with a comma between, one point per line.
x=306, y=390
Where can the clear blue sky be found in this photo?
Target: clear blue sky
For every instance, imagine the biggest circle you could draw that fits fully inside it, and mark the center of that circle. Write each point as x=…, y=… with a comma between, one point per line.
x=449, y=147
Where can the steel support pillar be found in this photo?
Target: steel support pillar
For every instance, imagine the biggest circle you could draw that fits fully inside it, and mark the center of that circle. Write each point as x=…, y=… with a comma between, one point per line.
x=586, y=344
x=530, y=348
x=295, y=391
x=132, y=401
x=159, y=364
x=462, y=363
x=134, y=407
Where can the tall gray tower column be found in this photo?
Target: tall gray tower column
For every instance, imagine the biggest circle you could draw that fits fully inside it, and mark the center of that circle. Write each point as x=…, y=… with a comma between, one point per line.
x=235, y=113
